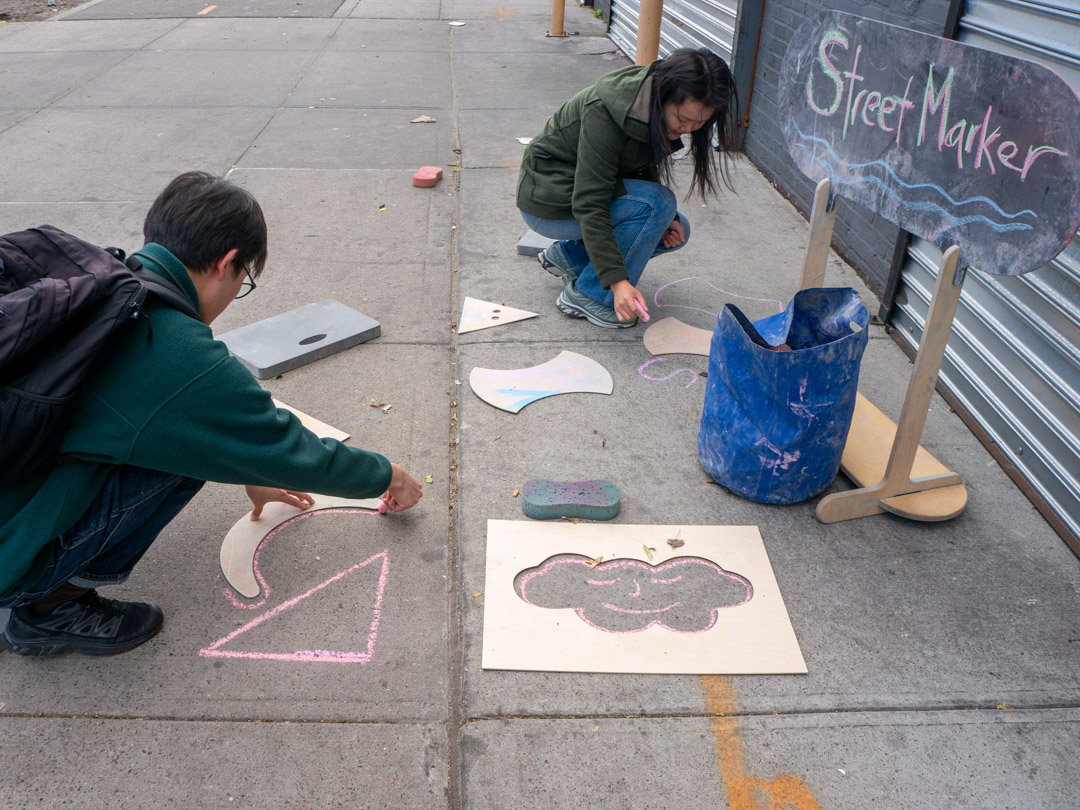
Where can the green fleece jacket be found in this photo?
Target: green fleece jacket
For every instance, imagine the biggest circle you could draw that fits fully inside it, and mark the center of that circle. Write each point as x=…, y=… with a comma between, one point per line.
x=574, y=168
x=175, y=402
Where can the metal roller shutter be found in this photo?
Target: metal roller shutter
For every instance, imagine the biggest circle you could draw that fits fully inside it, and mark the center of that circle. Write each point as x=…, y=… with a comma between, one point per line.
x=685, y=24
x=1013, y=359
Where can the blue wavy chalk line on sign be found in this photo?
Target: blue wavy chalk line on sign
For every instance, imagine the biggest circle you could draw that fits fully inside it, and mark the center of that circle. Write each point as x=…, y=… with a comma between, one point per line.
x=956, y=221
x=896, y=177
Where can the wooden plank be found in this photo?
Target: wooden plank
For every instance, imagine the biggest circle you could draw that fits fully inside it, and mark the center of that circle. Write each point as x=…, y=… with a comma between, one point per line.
x=866, y=455
x=749, y=634
x=237, y=555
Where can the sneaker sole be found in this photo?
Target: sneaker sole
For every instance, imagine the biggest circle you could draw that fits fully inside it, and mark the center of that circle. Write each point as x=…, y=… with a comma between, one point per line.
x=577, y=312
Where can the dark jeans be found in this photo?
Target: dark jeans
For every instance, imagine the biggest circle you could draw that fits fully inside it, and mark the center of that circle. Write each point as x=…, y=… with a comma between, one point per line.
x=127, y=515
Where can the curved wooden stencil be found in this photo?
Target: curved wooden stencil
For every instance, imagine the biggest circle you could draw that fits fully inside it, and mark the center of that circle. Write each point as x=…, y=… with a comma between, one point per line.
x=567, y=373
x=244, y=538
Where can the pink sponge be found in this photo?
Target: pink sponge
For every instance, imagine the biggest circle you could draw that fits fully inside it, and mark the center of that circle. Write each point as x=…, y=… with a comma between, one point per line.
x=427, y=176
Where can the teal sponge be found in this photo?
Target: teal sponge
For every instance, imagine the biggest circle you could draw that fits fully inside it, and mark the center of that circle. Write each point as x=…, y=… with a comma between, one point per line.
x=544, y=499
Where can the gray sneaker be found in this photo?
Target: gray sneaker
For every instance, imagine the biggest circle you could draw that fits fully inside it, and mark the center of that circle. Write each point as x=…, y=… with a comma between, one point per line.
x=577, y=305
x=555, y=262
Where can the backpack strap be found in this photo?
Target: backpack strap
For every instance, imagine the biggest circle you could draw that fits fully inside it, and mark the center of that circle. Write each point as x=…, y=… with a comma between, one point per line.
x=159, y=286
x=165, y=290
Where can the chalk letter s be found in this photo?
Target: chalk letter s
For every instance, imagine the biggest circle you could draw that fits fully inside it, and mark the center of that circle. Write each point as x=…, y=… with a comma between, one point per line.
x=831, y=36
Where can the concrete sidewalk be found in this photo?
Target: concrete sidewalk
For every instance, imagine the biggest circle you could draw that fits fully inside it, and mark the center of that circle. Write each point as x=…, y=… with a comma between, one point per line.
x=944, y=668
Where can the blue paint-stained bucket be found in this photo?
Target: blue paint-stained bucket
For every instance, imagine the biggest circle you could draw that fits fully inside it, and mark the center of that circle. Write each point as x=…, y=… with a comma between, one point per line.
x=774, y=423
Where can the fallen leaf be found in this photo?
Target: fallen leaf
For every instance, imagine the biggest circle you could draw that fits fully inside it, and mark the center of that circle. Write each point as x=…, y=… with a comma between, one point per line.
x=675, y=542
x=382, y=207
x=428, y=479
x=457, y=382
x=517, y=492
x=375, y=404
x=423, y=119
x=589, y=561
x=572, y=520
x=648, y=551
x=475, y=595
x=1003, y=706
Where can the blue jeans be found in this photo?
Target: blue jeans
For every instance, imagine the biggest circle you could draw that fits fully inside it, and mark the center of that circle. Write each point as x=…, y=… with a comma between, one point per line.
x=125, y=517
x=638, y=219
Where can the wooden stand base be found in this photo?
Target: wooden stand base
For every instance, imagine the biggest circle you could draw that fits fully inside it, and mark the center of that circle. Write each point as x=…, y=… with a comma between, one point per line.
x=910, y=482
x=865, y=459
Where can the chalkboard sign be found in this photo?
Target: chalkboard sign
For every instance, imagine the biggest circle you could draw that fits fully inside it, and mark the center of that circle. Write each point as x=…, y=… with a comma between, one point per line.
x=958, y=145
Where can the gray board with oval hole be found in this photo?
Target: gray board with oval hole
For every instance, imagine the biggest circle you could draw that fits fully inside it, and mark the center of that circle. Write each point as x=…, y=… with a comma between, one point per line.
x=298, y=337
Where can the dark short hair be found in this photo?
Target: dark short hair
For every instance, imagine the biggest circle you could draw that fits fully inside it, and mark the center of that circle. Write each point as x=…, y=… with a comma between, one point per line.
x=698, y=75
x=199, y=218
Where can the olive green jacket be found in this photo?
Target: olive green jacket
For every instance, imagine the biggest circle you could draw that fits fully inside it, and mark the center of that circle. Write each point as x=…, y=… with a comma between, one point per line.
x=574, y=167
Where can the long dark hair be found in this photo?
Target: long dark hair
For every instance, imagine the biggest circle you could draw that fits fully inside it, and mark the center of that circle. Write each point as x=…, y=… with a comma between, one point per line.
x=698, y=75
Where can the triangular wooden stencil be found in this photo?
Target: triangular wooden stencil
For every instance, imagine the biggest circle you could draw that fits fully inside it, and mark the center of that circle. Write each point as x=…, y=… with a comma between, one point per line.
x=477, y=314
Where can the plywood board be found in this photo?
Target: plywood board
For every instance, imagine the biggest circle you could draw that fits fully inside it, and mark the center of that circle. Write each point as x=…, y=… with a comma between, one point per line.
x=566, y=373
x=240, y=544
x=866, y=455
x=320, y=429
x=672, y=336
x=477, y=314
x=711, y=606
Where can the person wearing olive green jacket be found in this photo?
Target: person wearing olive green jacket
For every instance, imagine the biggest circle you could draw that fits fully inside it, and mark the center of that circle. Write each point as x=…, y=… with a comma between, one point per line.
x=162, y=411
x=596, y=177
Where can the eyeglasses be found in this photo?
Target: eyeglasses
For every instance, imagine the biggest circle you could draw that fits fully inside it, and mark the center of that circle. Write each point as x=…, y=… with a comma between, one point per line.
x=246, y=286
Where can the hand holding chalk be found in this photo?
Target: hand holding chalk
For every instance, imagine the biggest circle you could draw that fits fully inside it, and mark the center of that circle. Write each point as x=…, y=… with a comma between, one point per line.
x=639, y=308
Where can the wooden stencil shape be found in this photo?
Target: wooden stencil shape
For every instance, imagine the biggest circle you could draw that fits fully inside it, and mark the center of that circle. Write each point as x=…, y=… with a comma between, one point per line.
x=320, y=429
x=566, y=373
x=628, y=613
x=477, y=314
x=672, y=336
x=240, y=544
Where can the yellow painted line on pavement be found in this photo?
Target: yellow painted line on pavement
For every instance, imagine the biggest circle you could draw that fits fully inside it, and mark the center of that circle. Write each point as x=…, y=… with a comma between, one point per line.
x=746, y=792
x=207, y=10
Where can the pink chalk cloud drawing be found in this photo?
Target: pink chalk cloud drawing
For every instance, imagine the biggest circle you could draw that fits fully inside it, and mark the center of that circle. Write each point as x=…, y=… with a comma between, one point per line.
x=684, y=595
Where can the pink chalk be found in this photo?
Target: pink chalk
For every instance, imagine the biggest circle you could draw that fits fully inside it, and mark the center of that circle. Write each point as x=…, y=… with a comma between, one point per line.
x=383, y=509
x=644, y=314
x=427, y=177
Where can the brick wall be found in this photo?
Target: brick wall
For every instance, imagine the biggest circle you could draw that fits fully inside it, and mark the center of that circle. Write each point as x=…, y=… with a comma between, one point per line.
x=865, y=240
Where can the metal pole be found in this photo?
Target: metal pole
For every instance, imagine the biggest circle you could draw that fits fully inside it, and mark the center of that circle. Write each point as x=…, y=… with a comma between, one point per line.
x=648, y=33
x=558, y=9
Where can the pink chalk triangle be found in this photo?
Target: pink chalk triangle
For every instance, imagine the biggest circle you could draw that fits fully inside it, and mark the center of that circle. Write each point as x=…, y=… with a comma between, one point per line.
x=333, y=656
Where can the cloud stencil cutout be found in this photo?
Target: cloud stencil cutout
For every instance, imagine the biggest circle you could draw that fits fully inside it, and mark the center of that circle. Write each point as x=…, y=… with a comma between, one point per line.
x=683, y=595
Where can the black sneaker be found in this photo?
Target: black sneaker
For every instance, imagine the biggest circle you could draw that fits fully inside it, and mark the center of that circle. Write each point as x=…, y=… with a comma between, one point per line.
x=90, y=624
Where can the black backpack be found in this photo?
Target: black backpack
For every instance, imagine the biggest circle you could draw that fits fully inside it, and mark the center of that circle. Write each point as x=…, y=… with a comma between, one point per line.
x=60, y=299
